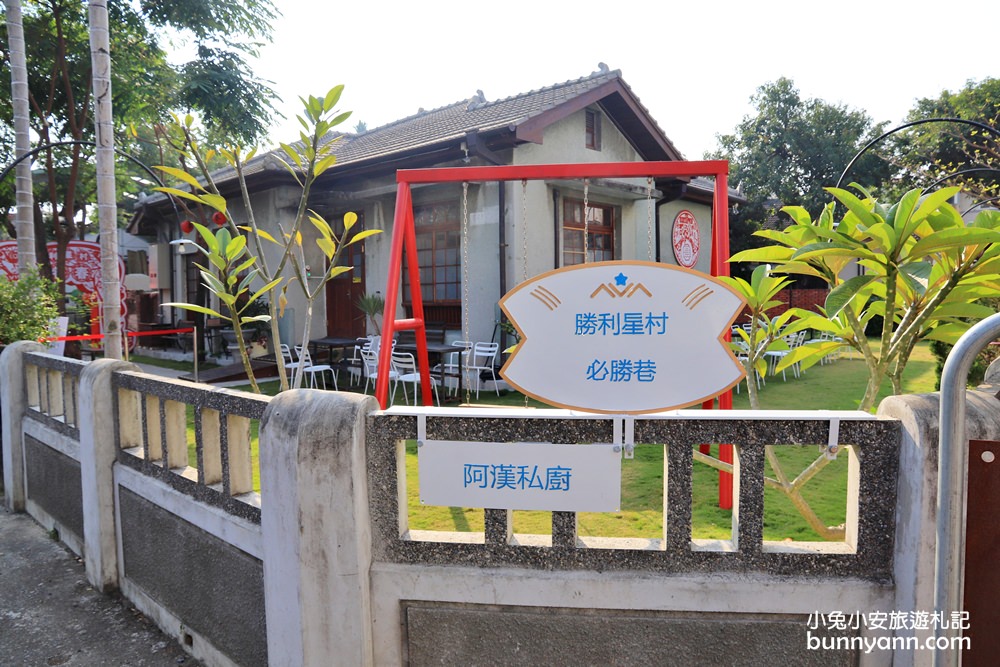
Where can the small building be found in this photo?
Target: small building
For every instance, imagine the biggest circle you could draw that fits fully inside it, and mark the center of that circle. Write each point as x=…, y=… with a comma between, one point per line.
x=474, y=246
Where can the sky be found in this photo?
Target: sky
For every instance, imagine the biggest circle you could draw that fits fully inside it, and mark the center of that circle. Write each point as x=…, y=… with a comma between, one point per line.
x=693, y=65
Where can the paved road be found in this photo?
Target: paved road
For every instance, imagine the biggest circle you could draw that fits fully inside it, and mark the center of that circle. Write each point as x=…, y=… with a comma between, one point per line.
x=49, y=615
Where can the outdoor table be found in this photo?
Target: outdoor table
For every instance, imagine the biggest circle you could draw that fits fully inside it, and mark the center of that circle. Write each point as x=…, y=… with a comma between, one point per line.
x=331, y=343
x=438, y=351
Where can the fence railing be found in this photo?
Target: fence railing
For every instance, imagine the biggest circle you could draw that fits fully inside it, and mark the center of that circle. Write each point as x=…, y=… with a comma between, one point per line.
x=53, y=388
x=870, y=445
x=200, y=440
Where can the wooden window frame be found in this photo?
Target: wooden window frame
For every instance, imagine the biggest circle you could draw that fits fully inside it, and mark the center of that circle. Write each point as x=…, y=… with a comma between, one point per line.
x=592, y=129
x=602, y=222
x=430, y=220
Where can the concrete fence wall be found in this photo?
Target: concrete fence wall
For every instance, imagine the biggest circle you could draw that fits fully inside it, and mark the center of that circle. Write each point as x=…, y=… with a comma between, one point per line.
x=155, y=483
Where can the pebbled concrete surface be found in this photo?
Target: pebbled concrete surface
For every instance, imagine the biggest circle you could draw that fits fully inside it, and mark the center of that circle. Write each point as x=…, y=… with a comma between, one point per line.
x=49, y=614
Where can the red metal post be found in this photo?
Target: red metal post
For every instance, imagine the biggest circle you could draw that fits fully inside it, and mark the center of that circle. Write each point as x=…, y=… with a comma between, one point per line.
x=402, y=217
x=720, y=267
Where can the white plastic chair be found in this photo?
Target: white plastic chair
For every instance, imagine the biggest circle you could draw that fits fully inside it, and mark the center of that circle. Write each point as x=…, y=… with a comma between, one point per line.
x=449, y=369
x=306, y=366
x=405, y=366
x=481, y=360
x=370, y=363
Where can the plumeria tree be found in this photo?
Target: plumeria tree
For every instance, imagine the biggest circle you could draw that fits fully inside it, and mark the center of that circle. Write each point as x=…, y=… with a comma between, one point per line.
x=306, y=160
x=920, y=271
x=766, y=334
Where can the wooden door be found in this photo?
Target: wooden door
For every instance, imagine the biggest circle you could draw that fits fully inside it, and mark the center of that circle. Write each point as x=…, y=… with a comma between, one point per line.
x=982, y=544
x=343, y=318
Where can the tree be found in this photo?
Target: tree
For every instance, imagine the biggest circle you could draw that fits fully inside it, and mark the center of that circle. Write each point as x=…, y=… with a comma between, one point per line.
x=788, y=151
x=766, y=334
x=306, y=161
x=923, y=270
x=25, y=224
x=217, y=83
x=107, y=211
x=933, y=151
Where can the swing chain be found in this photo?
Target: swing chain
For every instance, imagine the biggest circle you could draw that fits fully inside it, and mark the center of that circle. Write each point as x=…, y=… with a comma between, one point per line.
x=649, y=217
x=465, y=277
x=524, y=230
x=586, y=220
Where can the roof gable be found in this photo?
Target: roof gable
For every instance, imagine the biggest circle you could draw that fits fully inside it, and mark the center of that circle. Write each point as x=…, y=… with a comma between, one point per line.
x=524, y=117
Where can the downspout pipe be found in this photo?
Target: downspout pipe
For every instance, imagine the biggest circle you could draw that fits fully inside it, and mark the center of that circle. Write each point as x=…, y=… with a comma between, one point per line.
x=949, y=555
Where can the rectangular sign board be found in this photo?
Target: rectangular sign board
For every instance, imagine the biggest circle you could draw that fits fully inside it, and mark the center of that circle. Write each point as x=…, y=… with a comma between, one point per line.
x=520, y=476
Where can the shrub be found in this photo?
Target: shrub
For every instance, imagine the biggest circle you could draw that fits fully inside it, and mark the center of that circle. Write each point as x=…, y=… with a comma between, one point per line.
x=28, y=307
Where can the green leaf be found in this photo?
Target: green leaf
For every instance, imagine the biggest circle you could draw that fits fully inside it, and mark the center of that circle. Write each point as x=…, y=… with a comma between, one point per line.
x=292, y=154
x=236, y=247
x=361, y=236
x=261, y=233
x=332, y=97
x=215, y=201
x=255, y=318
x=212, y=282
x=855, y=206
x=950, y=239
x=322, y=225
x=181, y=175
x=195, y=309
x=337, y=270
x=933, y=202
x=210, y=241
x=263, y=290
x=884, y=235
x=798, y=214
x=947, y=333
x=987, y=219
x=901, y=220
x=842, y=294
x=972, y=310
x=181, y=193
x=771, y=253
x=340, y=118
x=328, y=247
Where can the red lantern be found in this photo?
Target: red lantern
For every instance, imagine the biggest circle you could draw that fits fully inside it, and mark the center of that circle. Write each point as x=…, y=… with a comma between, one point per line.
x=219, y=218
x=187, y=226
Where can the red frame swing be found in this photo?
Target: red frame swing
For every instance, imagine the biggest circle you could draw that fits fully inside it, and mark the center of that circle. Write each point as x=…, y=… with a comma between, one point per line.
x=404, y=237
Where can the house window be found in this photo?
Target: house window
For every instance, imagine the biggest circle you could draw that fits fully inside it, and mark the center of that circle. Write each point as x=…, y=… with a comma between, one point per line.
x=600, y=232
x=593, y=132
x=438, y=244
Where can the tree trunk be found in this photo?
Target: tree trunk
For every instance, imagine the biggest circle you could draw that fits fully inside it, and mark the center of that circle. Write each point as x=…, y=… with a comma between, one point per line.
x=25, y=223
x=107, y=212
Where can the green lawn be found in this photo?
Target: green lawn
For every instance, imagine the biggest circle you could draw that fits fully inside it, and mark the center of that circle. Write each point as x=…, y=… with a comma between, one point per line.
x=835, y=386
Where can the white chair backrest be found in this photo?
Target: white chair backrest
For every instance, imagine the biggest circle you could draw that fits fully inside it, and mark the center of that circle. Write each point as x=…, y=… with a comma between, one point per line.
x=484, y=354
x=370, y=362
x=466, y=346
x=286, y=354
x=403, y=363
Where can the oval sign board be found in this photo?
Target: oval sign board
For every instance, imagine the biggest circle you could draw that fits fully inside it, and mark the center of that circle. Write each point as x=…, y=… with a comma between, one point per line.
x=622, y=337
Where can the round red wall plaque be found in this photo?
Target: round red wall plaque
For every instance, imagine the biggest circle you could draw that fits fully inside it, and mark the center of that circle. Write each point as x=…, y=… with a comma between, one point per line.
x=686, y=239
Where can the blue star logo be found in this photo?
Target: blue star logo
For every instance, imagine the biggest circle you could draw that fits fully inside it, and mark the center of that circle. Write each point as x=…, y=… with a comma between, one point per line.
x=621, y=279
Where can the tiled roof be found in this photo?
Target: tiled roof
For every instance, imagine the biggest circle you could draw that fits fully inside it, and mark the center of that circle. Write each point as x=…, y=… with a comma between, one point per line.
x=454, y=121
x=458, y=119
x=450, y=123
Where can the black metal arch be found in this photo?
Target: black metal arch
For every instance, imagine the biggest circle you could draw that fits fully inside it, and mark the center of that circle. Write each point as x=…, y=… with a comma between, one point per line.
x=961, y=121
x=77, y=142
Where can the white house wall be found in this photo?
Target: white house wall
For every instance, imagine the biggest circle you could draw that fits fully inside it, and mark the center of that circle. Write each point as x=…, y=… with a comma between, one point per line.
x=703, y=214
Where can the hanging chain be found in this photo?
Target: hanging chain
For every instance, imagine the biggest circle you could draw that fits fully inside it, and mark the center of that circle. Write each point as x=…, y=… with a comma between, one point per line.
x=465, y=280
x=586, y=220
x=524, y=241
x=649, y=217
x=524, y=230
